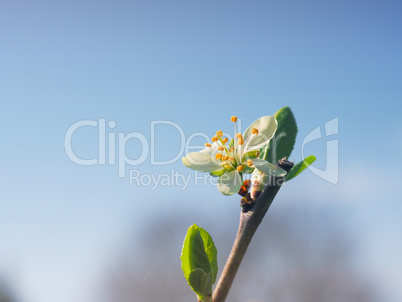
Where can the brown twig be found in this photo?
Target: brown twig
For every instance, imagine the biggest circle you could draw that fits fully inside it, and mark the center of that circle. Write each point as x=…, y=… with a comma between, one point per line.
x=248, y=225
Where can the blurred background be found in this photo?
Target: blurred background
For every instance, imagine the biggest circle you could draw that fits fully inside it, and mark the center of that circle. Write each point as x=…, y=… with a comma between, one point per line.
x=73, y=232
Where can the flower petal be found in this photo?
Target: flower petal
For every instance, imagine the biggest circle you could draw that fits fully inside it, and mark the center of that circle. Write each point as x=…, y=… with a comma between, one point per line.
x=201, y=161
x=230, y=183
x=266, y=126
x=268, y=168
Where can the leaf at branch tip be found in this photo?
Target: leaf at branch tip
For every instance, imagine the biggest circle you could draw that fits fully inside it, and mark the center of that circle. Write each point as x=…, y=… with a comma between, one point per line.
x=281, y=145
x=300, y=167
x=211, y=251
x=199, y=261
x=201, y=283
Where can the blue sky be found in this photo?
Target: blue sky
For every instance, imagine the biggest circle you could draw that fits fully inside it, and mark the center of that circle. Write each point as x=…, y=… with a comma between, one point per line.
x=195, y=63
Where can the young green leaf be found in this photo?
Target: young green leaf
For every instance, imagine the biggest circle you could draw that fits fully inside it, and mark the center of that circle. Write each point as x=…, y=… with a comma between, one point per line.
x=201, y=283
x=281, y=145
x=199, y=261
x=193, y=254
x=298, y=168
x=211, y=251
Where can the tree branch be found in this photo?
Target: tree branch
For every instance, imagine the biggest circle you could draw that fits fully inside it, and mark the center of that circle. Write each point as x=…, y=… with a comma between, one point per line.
x=248, y=225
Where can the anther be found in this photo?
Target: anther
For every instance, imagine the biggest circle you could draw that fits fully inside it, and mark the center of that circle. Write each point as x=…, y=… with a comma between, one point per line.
x=231, y=149
x=240, y=141
x=214, y=139
x=233, y=119
x=218, y=156
x=249, y=162
x=220, y=148
x=226, y=157
x=219, y=133
x=208, y=145
x=225, y=140
x=240, y=168
x=255, y=131
x=239, y=136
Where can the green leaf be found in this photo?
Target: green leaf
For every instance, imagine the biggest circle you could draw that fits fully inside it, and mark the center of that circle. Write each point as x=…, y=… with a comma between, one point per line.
x=199, y=260
x=193, y=254
x=211, y=251
x=201, y=283
x=298, y=168
x=281, y=145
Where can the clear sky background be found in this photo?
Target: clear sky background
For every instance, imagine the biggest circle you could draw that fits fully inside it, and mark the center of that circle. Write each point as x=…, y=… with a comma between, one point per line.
x=195, y=63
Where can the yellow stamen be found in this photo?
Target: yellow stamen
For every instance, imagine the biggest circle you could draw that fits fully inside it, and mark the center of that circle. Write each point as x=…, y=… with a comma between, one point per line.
x=220, y=148
x=239, y=136
x=249, y=162
x=255, y=131
x=208, y=145
x=214, y=139
x=225, y=140
x=226, y=157
x=231, y=149
x=219, y=133
x=240, y=168
x=218, y=156
x=240, y=141
x=231, y=158
x=224, y=146
x=233, y=119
